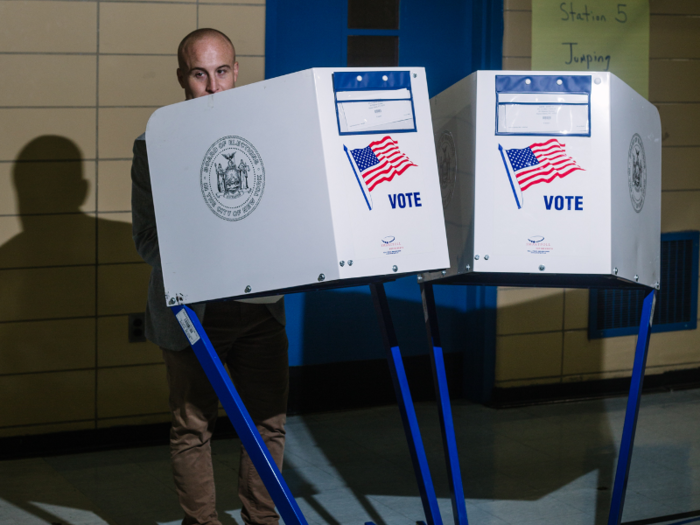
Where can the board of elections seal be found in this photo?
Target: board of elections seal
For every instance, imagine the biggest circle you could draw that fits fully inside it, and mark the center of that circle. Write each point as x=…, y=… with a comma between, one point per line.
x=447, y=166
x=637, y=172
x=232, y=178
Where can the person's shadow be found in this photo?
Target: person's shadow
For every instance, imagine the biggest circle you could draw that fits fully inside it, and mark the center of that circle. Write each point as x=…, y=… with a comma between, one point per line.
x=50, y=188
x=55, y=253
x=49, y=194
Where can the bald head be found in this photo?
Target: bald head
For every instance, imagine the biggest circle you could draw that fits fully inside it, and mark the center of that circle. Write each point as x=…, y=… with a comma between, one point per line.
x=207, y=63
x=197, y=36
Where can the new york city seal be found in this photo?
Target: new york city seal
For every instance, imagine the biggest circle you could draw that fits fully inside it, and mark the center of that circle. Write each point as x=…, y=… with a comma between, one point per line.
x=447, y=166
x=232, y=178
x=637, y=172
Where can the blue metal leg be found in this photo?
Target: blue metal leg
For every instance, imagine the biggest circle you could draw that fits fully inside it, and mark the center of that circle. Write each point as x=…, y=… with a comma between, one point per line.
x=408, y=413
x=449, y=443
x=237, y=413
x=632, y=413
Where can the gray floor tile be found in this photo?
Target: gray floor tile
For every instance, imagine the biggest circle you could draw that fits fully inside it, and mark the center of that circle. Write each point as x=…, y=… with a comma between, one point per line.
x=523, y=511
x=173, y=517
x=525, y=466
x=638, y=507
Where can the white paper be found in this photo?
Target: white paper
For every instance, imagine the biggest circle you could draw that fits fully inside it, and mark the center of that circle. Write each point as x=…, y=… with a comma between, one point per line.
x=381, y=94
x=382, y=115
x=546, y=118
x=187, y=327
x=567, y=98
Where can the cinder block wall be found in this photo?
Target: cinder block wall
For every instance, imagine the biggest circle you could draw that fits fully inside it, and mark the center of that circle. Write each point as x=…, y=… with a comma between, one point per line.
x=79, y=81
x=542, y=333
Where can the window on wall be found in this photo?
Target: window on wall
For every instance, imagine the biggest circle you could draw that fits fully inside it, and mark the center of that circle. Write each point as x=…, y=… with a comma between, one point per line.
x=373, y=33
x=617, y=312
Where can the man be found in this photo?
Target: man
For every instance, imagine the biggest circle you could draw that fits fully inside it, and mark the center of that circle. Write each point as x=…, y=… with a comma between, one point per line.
x=248, y=336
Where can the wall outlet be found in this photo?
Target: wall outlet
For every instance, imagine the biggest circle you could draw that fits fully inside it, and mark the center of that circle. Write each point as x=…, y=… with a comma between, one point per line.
x=137, y=328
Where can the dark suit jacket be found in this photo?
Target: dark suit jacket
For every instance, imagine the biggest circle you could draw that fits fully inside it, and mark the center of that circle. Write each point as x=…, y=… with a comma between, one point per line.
x=161, y=326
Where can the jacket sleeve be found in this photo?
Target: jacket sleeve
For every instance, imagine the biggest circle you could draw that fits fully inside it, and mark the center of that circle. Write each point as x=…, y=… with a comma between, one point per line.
x=142, y=211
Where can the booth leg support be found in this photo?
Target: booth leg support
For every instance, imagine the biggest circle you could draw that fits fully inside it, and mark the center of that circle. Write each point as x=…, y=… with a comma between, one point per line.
x=408, y=413
x=442, y=394
x=632, y=412
x=237, y=413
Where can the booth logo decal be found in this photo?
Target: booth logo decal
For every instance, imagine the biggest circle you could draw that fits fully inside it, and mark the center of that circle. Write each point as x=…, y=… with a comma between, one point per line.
x=391, y=246
x=536, y=245
x=379, y=162
x=232, y=178
x=637, y=172
x=447, y=166
x=539, y=162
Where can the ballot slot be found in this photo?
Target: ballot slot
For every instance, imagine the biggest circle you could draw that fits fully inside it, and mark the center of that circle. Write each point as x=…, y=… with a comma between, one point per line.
x=543, y=105
x=374, y=102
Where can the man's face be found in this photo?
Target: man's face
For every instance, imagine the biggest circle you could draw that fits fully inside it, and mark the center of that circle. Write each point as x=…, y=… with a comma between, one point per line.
x=210, y=67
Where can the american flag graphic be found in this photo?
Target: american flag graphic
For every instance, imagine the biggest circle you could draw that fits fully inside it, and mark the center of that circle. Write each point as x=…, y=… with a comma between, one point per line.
x=540, y=162
x=381, y=161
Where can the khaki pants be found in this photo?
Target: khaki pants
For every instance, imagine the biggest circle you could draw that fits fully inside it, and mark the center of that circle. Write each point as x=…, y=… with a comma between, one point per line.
x=253, y=345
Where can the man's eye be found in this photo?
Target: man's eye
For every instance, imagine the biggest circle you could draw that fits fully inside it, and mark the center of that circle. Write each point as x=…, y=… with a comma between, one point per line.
x=223, y=71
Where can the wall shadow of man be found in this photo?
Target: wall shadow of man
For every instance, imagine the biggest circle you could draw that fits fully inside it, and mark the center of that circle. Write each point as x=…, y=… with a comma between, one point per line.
x=47, y=187
x=50, y=189
x=55, y=252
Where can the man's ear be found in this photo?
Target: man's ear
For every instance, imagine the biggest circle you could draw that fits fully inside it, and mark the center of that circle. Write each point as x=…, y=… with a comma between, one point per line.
x=181, y=78
x=235, y=73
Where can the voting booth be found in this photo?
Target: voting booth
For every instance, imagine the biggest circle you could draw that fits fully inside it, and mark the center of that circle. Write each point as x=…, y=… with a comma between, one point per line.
x=324, y=177
x=551, y=179
x=319, y=179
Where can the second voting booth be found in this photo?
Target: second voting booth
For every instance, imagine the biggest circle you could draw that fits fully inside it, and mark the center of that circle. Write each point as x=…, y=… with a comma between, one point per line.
x=319, y=179
x=552, y=179
x=549, y=177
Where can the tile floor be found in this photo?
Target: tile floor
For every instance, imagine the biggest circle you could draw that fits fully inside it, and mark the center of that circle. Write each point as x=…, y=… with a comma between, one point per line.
x=549, y=464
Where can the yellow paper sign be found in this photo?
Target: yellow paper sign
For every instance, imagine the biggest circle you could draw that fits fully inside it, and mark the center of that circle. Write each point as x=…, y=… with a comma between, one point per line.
x=593, y=35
